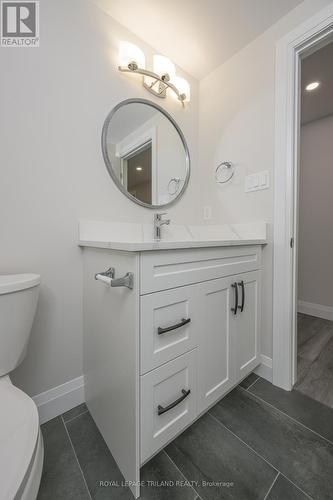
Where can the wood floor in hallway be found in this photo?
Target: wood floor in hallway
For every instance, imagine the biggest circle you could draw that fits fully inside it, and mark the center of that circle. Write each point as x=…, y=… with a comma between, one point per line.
x=315, y=358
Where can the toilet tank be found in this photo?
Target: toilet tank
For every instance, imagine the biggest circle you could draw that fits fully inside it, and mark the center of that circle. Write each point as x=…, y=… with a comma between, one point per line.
x=18, y=302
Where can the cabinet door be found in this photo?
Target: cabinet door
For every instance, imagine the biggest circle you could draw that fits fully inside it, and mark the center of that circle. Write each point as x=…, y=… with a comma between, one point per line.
x=216, y=369
x=245, y=325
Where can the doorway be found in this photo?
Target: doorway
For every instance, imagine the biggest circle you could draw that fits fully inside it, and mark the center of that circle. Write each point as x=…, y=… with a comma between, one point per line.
x=305, y=40
x=137, y=166
x=315, y=228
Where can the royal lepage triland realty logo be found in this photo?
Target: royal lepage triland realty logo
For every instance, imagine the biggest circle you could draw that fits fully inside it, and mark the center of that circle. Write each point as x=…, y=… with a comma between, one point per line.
x=19, y=23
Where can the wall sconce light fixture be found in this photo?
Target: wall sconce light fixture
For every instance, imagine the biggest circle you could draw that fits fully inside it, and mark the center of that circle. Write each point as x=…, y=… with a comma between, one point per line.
x=164, y=77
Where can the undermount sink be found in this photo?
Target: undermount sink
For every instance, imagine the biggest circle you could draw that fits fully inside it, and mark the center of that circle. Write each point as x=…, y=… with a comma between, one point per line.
x=139, y=237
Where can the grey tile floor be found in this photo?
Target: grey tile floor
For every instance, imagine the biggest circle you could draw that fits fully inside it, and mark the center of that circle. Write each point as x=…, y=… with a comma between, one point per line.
x=259, y=443
x=315, y=358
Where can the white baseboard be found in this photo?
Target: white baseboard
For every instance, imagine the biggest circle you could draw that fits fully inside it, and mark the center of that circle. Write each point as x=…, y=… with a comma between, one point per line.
x=317, y=310
x=64, y=397
x=265, y=369
x=59, y=399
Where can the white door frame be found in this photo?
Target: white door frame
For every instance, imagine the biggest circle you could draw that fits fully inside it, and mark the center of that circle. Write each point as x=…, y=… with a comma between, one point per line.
x=289, y=50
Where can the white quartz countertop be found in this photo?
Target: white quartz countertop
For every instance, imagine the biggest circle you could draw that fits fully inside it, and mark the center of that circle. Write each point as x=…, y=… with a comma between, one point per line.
x=134, y=237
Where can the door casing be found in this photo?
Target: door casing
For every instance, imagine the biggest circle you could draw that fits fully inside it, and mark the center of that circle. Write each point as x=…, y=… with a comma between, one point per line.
x=304, y=40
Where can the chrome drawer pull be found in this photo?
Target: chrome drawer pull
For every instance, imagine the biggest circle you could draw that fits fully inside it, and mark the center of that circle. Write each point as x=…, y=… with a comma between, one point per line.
x=234, y=309
x=108, y=278
x=241, y=284
x=173, y=327
x=161, y=409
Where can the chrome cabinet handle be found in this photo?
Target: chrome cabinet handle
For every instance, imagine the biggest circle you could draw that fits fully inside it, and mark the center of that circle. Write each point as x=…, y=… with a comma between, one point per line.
x=234, y=309
x=241, y=284
x=162, y=409
x=108, y=278
x=183, y=322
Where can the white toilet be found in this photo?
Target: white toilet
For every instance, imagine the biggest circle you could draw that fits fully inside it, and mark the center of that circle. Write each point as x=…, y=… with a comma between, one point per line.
x=21, y=442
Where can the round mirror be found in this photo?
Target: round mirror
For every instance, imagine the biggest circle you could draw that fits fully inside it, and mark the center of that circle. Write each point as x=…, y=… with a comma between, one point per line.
x=146, y=153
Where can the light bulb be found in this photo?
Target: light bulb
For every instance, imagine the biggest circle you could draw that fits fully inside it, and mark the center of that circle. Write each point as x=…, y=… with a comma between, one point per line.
x=183, y=87
x=163, y=66
x=130, y=56
x=312, y=86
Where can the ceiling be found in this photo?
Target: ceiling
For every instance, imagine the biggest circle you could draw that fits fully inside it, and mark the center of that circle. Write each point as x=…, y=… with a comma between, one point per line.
x=198, y=35
x=319, y=102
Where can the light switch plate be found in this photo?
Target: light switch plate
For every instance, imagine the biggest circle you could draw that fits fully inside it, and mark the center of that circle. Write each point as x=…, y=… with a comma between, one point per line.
x=257, y=181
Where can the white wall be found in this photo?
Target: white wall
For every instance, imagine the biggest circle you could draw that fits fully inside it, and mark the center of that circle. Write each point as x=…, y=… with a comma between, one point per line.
x=315, y=213
x=237, y=124
x=53, y=102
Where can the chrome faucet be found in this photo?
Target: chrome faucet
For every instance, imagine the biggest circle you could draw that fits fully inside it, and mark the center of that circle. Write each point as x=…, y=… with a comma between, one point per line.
x=158, y=223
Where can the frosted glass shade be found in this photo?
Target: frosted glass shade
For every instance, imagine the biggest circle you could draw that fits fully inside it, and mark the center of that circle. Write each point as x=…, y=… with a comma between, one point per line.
x=163, y=66
x=128, y=53
x=183, y=86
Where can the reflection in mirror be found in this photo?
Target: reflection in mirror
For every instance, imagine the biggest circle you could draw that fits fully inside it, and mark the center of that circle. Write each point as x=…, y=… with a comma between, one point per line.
x=145, y=153
x=137, y=173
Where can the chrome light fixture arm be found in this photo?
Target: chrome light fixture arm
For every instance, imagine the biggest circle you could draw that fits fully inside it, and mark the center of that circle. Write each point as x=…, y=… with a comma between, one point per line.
x=161, y=82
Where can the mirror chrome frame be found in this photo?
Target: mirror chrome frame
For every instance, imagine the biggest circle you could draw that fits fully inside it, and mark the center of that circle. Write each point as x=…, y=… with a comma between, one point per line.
x=109, y=165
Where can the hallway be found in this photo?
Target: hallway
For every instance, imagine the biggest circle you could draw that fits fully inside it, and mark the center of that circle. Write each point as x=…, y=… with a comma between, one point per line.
x=315, y=358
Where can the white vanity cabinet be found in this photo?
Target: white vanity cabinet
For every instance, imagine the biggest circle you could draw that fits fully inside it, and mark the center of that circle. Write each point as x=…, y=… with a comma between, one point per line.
x=156, y=356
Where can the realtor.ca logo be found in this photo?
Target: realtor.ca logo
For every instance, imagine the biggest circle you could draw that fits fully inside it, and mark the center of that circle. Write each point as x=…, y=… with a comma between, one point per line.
x=19, y=23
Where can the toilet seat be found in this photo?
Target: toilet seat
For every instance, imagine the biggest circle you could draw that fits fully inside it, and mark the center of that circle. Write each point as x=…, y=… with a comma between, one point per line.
x=19, y=435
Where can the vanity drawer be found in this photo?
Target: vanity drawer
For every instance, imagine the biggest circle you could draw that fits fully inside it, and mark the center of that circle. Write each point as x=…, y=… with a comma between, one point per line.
x=168, y=402
x=168, y=326
x=164, y=269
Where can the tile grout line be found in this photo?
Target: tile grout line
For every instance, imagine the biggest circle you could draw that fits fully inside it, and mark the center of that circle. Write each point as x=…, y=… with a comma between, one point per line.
x=286, y=415
x=197, y=497
x=76, y=416
x=183, y=475
x=258, y=454
x=271, y=486
x=250, y=384
x=241, y=440
x=77, y=460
